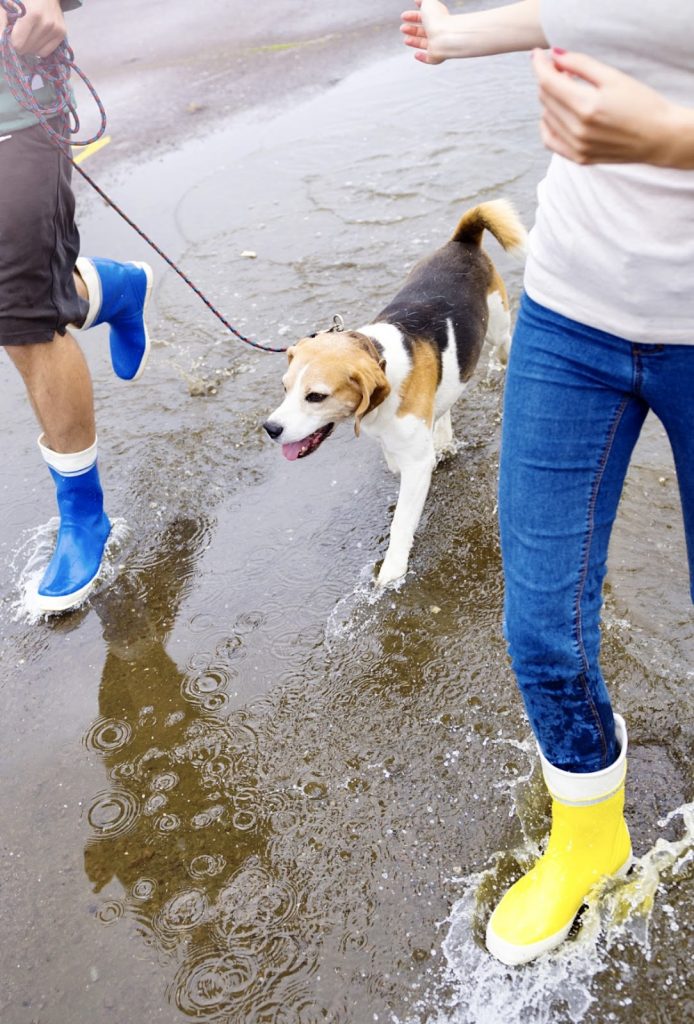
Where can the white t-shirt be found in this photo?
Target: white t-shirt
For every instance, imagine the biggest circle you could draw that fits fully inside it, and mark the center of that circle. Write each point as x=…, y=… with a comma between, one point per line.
x=613, y=244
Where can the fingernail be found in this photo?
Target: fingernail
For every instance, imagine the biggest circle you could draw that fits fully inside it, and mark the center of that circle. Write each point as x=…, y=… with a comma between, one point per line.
x=558, y=50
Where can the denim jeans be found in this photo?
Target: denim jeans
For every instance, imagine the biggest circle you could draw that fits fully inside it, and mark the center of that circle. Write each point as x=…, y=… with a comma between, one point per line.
x=575, y=401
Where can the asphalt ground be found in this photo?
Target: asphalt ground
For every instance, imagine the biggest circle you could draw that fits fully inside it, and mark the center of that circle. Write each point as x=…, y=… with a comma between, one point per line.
x=168, y=70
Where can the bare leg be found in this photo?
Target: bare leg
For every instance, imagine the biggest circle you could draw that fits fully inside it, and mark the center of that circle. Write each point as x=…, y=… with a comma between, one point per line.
x=59, y=385
x=81, y=286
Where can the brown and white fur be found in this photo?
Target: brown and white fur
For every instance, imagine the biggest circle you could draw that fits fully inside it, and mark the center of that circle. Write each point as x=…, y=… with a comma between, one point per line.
x=399, y=376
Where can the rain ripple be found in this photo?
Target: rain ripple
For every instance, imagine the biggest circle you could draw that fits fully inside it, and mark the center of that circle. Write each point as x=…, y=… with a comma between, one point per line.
x=182, y=912
x=207, y=689
x=254, y=899
x=113, y=814
x=107, y=735
x=210, y=986
x=206, y=866
x=143, y=889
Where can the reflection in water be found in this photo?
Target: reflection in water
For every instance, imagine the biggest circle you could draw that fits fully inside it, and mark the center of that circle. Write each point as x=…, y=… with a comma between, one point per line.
x=183, y=826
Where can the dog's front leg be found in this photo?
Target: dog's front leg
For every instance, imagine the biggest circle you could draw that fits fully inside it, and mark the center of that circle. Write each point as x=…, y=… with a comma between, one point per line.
x=415, y=478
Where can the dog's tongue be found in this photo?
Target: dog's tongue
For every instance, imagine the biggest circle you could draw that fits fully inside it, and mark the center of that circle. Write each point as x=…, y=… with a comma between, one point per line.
x=291, y=451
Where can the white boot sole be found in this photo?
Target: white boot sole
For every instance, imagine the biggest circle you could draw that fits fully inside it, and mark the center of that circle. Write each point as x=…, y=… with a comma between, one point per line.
x=65, y=602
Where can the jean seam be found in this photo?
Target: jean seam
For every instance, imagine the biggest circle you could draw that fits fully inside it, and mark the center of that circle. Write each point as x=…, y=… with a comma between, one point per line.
x=637, y=378
x=598, y=721
x=583, y=574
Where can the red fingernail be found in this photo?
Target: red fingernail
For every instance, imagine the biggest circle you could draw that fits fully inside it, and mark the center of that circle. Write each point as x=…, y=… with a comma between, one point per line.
x=558, y=50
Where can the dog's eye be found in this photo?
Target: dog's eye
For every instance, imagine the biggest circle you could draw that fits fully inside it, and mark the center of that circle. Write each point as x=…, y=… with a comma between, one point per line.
x=315, y=396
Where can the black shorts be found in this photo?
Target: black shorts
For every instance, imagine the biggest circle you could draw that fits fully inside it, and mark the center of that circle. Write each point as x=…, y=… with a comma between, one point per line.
x=39, y=240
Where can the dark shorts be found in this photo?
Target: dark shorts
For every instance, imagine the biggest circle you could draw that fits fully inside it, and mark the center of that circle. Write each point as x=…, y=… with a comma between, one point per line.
x=39, y=241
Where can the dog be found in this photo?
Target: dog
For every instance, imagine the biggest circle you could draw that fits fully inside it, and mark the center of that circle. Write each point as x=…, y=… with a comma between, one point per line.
x=399, y=376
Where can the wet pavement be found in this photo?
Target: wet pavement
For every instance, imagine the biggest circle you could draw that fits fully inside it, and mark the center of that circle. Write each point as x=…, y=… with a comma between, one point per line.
x=239, y=787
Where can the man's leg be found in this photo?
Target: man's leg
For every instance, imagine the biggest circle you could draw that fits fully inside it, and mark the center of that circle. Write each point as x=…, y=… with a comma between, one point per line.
x=59, y=386
x=60, y=390
x=44, y=287
x=39, y=296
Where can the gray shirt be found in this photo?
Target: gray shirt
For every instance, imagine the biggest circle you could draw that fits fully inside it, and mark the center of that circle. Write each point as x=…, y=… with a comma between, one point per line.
x=13, y=117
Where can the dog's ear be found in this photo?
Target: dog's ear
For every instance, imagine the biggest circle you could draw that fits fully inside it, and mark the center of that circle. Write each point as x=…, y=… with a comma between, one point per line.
x=291, y=352
x=373, y=384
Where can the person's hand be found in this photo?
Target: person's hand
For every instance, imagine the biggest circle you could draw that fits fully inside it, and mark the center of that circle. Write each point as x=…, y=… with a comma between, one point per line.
x=593, y=113
x=421, y=27
x=40, y=30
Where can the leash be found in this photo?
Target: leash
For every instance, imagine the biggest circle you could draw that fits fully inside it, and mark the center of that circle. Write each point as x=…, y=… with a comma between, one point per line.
x=167, y=259
x=56, y=70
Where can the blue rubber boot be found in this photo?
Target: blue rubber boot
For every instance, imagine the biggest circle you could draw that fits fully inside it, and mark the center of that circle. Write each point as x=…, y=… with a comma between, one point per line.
x=118, y=296
x=83, y=532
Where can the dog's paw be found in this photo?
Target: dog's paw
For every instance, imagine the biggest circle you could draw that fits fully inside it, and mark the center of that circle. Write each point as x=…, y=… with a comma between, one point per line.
x=392, y=571
x=447, y=450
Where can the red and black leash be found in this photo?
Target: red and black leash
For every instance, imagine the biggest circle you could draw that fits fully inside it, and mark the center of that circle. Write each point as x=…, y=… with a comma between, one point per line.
x=60, y=121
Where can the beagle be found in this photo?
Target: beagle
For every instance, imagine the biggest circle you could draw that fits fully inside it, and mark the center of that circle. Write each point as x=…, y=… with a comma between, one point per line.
x=399, y=376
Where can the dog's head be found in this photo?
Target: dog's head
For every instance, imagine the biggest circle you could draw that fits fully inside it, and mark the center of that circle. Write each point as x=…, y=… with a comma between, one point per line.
x=331, y=376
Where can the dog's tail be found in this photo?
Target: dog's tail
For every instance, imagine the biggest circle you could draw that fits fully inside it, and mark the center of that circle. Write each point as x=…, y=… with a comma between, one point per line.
x=497, y=216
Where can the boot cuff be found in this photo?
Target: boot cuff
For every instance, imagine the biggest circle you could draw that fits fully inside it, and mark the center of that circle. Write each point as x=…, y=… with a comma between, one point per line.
x=68, y=463
x=582, y=789
x=88, y=272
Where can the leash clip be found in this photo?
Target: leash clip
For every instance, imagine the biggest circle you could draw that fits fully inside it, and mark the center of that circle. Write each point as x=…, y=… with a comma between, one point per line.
x=338, y=323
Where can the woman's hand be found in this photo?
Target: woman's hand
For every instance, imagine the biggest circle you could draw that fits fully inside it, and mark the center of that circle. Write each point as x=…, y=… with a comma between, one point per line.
x=422, y=27
x=40, y=30
x=437, y=35
x=595, y=114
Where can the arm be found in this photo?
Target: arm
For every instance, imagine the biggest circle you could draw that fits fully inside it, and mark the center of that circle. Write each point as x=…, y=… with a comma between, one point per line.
x=40, y=30
x=438, y=35
x=593, y=113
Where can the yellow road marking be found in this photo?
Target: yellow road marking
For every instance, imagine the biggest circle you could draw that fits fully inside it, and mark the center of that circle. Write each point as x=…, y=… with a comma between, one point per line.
x=84, y=152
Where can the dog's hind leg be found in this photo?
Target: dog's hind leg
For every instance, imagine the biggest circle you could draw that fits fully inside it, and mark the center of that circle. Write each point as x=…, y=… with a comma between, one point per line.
x=391, y=461
x=444, y=442
x=415, y=478
x=499, y=325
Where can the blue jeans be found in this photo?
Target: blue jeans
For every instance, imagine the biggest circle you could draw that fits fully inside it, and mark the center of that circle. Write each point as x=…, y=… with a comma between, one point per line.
x=575, y=401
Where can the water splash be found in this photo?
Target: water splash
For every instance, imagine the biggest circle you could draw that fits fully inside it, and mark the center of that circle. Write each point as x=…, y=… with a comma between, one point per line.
x=29, y=562
x=558, y=987
x=358, y=612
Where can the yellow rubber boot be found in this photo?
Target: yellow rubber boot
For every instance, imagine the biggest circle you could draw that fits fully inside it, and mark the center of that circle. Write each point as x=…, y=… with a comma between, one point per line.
x=589, y=841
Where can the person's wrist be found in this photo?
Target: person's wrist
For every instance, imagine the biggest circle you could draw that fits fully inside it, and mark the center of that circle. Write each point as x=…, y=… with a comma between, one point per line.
x=675, y=146
x=436, y=40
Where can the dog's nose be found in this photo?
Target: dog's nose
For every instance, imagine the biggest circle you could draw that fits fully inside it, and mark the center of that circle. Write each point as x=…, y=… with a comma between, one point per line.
x=273, y=429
